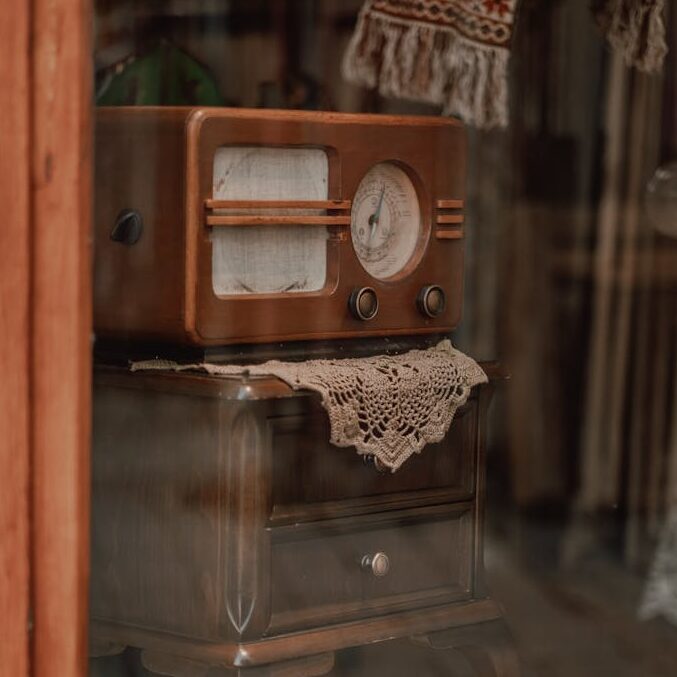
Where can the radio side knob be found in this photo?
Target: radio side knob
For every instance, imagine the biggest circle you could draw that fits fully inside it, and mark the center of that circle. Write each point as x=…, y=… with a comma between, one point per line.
x=127, y=228
x=431, y=300
x=363, y=303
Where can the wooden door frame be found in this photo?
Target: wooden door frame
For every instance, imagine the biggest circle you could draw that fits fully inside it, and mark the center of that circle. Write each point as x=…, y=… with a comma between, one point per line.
x=14, y=354
x=45, y=320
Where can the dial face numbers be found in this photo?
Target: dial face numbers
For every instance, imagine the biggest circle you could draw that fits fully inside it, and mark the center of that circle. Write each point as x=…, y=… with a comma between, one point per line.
x=385, y=221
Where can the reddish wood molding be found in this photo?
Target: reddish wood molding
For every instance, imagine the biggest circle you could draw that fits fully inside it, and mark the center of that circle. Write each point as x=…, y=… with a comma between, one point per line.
x=14, y=328
x=278, y=204
x=450, y=204
x=263, y=220
x=61, y=328
x=450, y=219
x=449, y=234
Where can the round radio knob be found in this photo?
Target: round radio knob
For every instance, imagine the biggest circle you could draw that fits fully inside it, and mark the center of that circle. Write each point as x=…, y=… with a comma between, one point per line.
x=378, y=564
x=363, y=303
x=431, y=300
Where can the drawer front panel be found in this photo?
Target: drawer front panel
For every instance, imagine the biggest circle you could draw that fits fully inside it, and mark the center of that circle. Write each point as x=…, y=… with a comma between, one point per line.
x=307, y=469
x=318, y=573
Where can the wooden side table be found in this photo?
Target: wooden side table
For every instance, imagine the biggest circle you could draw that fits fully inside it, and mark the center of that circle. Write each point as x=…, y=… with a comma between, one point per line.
x=230, y=538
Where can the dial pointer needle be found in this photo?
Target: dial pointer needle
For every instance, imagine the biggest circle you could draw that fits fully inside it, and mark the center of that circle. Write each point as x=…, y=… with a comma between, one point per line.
x=373, y=219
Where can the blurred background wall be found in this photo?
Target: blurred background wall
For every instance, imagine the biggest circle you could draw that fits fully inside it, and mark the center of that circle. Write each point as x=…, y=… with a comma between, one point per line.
x=567, y=282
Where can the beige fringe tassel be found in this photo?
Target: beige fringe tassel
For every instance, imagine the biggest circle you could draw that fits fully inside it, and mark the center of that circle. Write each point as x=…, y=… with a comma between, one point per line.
x=636, y=29
x=435, y=65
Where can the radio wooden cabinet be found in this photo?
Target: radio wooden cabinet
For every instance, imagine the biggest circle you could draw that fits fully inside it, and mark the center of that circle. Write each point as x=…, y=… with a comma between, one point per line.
x=218, y=226
x=230, y=537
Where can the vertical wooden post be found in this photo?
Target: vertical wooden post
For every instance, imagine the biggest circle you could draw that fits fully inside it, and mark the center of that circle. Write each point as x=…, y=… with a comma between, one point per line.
x=14, y=328
x=61, y=328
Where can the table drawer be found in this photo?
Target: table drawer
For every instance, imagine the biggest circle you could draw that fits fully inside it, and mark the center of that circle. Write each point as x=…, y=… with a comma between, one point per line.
x=308, y=471
x=318, y=571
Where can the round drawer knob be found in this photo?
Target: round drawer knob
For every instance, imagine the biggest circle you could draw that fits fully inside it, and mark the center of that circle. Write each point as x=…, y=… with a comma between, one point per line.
x=378, y=564
x=431, y=300
x=363, y=303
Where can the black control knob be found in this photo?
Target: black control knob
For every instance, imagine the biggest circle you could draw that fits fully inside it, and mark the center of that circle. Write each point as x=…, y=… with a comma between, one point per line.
x=128, y=227
x=431, y=300
x=363, y=303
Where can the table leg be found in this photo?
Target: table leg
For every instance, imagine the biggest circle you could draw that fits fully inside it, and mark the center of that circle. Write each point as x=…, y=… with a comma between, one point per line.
x=487, y=647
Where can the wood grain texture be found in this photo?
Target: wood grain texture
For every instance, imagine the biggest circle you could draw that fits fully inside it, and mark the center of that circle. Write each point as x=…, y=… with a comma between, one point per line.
x=154, y=530
x=319, y=640
x=185, y=480
x=61, y=325
x=309, y=666
x=317, y=579
x=441, y=234
x=278, y=204
x=485, y=396
x=14, y=328
x=450, y=219
x=313, y=481
x=222, y=514
x=278, y=220
x=488, y=648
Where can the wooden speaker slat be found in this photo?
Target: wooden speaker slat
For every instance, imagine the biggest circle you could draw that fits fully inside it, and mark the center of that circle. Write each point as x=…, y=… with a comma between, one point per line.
x=450, y=204
x=278, y=204
x=277, y=220
x=450, y=219
x=449, y=234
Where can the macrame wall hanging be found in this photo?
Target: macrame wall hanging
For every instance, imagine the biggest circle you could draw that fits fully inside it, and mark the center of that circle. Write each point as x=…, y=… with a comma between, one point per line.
x=454, y=53
x=388, y=406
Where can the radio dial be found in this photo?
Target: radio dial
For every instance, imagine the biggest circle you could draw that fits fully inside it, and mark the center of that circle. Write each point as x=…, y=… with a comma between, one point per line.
x=431, y=300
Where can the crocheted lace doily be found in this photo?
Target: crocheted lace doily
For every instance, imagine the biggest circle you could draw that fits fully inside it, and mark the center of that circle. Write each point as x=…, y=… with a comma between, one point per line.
x=389, y=406
x=660, y=594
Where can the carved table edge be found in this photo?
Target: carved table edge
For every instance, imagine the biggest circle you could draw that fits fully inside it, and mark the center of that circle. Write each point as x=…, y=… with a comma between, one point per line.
x=305, y=666
x=297, y=644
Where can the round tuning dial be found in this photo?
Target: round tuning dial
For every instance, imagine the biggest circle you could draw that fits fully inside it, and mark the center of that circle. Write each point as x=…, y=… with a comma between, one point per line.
x=363, y=303
x=385, y=221
x=431, y=300
x=378, y=564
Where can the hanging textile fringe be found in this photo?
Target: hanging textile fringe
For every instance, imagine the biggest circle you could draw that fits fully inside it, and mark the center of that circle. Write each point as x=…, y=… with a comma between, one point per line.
x=636, y=29
x=453, y=53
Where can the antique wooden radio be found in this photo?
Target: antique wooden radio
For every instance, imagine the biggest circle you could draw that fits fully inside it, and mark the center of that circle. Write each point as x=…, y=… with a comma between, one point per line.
x=223, y=226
